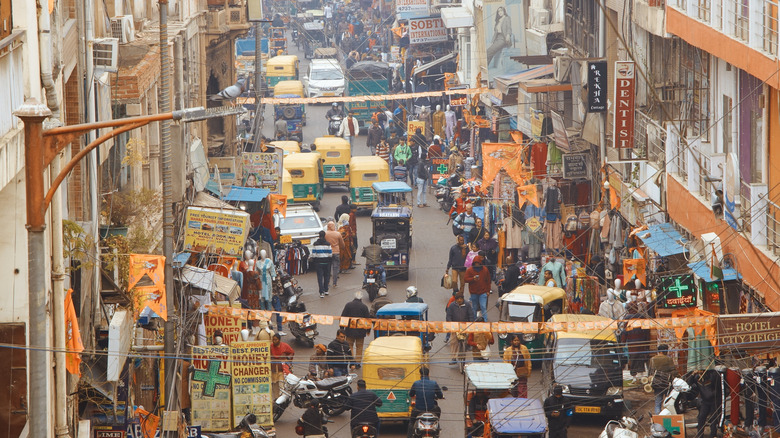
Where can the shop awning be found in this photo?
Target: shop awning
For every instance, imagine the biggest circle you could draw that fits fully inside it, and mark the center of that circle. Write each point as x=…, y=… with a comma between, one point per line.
x=456, y=17
x=435, y=62
x=503, y=83
x=664, y=240
x=246, y=194
x=703, y=271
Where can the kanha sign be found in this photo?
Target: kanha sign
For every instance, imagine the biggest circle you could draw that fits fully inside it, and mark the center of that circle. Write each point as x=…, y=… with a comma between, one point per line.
x=427, y=30
x=625, y=92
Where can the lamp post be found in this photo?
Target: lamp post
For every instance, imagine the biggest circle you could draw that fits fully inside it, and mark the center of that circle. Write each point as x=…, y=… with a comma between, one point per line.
x=40, y=148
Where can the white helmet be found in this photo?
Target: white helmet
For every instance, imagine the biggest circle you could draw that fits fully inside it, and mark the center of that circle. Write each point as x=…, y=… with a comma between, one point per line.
x=382, y=292
x=411, y=291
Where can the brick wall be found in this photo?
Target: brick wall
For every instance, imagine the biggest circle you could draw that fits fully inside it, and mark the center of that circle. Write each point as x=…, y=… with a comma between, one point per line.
x=133, y=81
x=76, y=178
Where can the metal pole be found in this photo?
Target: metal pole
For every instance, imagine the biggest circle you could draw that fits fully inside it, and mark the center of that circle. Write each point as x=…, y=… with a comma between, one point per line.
x=256, y=126
x=171, y=402
x=603, y=55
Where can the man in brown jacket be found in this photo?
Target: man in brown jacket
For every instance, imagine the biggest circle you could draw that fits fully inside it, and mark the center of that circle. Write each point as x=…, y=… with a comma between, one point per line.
x=478, y=279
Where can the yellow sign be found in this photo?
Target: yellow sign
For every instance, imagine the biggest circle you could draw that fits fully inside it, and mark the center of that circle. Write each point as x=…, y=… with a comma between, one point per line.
x=210, y=388
x=252, y=381
x=285, y=238
x=216, y=231
x=413, y=125
x=229, y=325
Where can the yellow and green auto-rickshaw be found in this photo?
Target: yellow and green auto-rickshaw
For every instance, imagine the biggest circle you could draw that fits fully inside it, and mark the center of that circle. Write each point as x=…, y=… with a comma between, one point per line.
x=336, y=154
x=307, y=179
x=391, y=364
x=530, y=303
x=363, y=172
x=288, y=146
x=287, y=186
x=281, y=68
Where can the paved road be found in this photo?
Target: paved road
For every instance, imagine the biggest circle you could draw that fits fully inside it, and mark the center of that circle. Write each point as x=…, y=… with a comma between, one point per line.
x=429, y=258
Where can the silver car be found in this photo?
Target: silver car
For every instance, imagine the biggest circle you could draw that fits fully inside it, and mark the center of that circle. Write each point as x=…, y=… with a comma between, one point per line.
x=302, y=224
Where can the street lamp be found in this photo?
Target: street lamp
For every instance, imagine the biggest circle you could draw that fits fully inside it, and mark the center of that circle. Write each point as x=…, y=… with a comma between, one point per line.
x=40, y=148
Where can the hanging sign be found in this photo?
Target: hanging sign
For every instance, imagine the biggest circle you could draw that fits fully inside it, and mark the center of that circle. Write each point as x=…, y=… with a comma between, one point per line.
x=406, y=9
x=559, y=132
x=625, y=92
x=677, y=291
x=216, y=230
x=750, y=331
x=210, y=388
x=427, y=30
x=575, y=166
x=251, y=362
x=439, y=168
x=597, y=87
x=262, y=170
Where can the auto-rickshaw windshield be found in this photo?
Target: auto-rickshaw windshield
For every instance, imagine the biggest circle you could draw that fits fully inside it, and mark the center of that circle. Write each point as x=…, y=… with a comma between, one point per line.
x=591, y=353
x=521, y=312
x=392, y=226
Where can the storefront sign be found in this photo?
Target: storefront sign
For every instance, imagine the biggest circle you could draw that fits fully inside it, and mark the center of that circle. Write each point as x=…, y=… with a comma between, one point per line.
x=210, y=388
x=677, y=291
x=625, y=84
x=439, y=168
x=251, y=362
x=575, y=166
x=427, y=30
x=134, y=430
x=559, y=132
x=227, y=170
x=215, y=230
x=263, y=170
x=406, y=9
x=412, y=127
x=230, y=326
x=750, y=331
x=597, y=87
x=459, y=101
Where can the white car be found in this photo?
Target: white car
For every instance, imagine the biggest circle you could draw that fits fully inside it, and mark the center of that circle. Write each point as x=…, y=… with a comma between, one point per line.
x=324, y=78
x=301, y=223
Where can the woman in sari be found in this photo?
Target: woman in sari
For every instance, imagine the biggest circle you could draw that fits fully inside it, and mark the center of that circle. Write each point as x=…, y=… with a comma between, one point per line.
x=346, y=234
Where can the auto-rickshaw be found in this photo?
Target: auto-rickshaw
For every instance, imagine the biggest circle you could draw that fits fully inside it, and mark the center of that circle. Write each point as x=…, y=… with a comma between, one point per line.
x=363, y=173
x=530, y=303
x=481, y=382
x=336, y=154
x=288, y=146
x=287, y=186
x=293, y=113
x=281, y=68
x=513, y=417
x=391, y=364
x=392, y=194
x=307, y=179
x=392, y=230
x=409, y=312
x=315, y=38
x=278, y=40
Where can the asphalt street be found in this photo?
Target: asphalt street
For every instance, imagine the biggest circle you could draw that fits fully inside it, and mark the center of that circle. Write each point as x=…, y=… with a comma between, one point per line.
x=432, y=240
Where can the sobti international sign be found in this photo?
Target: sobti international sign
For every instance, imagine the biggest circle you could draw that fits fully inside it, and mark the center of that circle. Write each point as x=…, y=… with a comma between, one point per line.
x=427, y=30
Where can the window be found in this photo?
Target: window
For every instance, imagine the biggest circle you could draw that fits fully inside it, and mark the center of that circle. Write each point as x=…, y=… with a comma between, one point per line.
x=296, y=173
x=13, y=81
x=728, y=114
x=333, y=154
x=388, y=373
x=756, y=146
x=582, y=25
x=695, y=76
x=373, y=176
x=6, y=19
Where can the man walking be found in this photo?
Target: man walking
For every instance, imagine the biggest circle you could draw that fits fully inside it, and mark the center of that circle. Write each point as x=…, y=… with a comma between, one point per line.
x=322, y=259
x=355, y=336
x=336, y=243
x=349, y=128
x=466, y=221
x=558, y=411
x=457, y=261
x=375, y=134
x=478, y=279
x=458, y=311
x=339, y=355
x=343, y=208
x=663, y=370
x=422, y=183
x=520, y=358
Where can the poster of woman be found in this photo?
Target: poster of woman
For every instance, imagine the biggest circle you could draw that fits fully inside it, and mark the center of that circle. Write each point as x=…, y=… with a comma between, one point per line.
x=504, y=36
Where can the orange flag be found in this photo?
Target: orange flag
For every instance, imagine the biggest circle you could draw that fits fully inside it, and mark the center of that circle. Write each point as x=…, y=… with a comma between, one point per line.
x=149, y=422
x=278, y=202
x=632, y=267
x=151, y=291
x=73, y=343
x=496, y=156
x=527, y=193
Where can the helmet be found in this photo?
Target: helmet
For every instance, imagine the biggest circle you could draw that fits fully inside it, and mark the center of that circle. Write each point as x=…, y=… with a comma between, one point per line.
x=382, y=292
x=335, y=104
x=411, y=291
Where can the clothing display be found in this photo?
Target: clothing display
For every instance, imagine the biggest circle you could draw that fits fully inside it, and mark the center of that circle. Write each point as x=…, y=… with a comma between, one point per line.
x=558, y=273
x=449, y=122
x=583, y=293
x=438, y=123
x=514, y=237
x=553, y=235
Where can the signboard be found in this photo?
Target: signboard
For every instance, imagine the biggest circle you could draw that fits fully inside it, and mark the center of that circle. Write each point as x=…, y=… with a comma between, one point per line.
x=406, y=9
x=760, y=331
x=677, y=291
x=210, y=388
x=388, y=244
x=625, y=92
x=427, y=30
x=597, y=87
x=251, y=362
x=230, y=326
x=216, y=231
x=227, y=170
x=674, y=424
x=134, y=430
x=459, y=101
x=537, y=119
x=263, y=170
x=502, y=26
x=412, y=127
x=559, y=132
x=575, y=166
x=439, y=168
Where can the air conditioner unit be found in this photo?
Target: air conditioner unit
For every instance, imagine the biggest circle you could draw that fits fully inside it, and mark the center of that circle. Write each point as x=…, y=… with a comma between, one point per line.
x=561, y=68
x=104, y=54
x=712, y=243
x=123, y=28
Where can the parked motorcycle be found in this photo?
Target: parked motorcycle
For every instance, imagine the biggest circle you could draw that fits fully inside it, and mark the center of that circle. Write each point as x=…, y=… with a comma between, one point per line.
x=333, y=393
x=334, y=124
x=426, y=426
x=373, y=281
x=626, y=427
x=669, y=405
x=247, y=428
x=364, y=430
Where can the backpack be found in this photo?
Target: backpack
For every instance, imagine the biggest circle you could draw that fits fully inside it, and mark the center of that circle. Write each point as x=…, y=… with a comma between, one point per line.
x=661, y=381
x=455, y=230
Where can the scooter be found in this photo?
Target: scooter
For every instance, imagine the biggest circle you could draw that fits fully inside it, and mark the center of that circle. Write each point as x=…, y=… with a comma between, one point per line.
x=333, y=394
x=373, y=281
x=305, y=331
x=364, y=430
x=334, y=124
x=247, y=428
x=426, y=426
x=626, y=427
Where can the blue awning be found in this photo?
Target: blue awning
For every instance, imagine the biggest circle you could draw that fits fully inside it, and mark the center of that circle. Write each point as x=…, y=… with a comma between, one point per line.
x=703, y=271
x=664, y=240
x=246, y=194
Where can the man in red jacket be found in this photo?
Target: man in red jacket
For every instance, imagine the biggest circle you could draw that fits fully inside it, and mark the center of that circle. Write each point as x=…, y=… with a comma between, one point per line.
x=478, y=279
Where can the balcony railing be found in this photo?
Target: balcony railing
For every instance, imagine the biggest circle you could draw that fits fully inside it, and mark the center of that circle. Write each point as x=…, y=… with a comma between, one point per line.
x=770, y=26
x=773, y=227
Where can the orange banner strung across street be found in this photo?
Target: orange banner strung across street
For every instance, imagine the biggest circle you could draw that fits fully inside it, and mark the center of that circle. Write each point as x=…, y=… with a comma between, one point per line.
x=371, y=97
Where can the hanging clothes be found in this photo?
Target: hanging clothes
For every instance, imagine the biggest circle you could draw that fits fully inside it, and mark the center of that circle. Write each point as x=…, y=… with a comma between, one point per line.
x=553, y=235
x=267, y=274
x=539, y=159
x=552, y=200
x=514, y=238
x=616, y=236
x=558, y=273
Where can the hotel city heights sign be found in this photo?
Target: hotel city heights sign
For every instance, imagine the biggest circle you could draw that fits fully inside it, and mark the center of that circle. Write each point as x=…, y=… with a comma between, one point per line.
x=625, y=91
x=427, y=30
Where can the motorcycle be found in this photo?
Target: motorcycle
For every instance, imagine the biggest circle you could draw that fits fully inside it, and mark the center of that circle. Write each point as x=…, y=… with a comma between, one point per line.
x=529, y=274
x=334, y=124
x=670, y=405
x=333, y=394
x=247, y=428
x=364, y=430
x=626, y=427
x=373, y=281
x=305, y=331
x=426, y=426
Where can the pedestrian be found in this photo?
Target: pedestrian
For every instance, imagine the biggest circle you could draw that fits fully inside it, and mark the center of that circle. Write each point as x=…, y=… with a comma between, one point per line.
x=459, y=311
x=281, y=355
x=343, y=208
x=511, y=276
x=402, y=153
x=374, y=136
x=465, y=221
x=312, y=420
x=362, y=405
x=519, y=357
x=434, y=150
x=459, y=206
x=473, y=253
x=710, y=403
x=349, y=128
x=399, y=171
x=489, y=247
x=336, y=245
x=480, y=342
x=381, y=300
x=457, y=261
x=355, y=336
x=478, y=279
x=422, y=177
x=663, y=370
x=353, y=228
x=322, y=259
x=558, y=410
x=346, y=235
x=426, y=392
x=477, y=232
x=340, y=359
x=548, y=279
x=383, y=151
x=318, y=364
x=280, y=128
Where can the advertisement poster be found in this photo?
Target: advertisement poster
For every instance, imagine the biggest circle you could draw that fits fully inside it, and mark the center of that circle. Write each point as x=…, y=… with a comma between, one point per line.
x=262, y=170
x=427, y=30
x=413, y=125
x=597, y=86
x=230, y=326
x=251, y=362
x=216, y=231
x=439, y=168
x=227, y=170
x=210, y=388
x=503, y=26
x=406, y=9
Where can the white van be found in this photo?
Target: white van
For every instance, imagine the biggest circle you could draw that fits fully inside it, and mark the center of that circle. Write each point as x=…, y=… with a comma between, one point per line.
x=324, y=78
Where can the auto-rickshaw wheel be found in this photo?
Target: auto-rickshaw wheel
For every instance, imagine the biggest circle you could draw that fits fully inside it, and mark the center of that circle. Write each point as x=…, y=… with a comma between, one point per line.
x=316, y=205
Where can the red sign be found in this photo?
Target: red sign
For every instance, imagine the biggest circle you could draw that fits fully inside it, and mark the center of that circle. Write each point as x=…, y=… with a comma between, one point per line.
x=625, y=92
